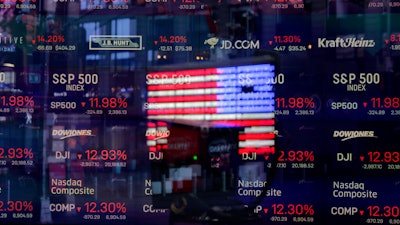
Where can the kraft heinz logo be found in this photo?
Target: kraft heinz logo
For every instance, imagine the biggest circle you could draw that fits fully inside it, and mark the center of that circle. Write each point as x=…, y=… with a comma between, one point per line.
x=345, y=43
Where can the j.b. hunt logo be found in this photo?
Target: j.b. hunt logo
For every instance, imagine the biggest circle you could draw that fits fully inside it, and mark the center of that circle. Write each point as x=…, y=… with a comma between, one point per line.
x=238, y=44
x=350, y=134
x=115, y=42
x=345, y=43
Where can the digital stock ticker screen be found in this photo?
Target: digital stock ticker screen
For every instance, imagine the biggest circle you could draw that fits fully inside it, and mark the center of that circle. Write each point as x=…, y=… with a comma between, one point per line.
x=169, y=112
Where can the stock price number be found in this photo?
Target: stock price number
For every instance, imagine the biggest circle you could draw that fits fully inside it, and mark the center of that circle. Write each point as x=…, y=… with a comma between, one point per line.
x=106, y=155
x=385, y=157
x=385, y=211
x=91, y=217
x=4, y=6
x=19, y=1
x=293, y=209
x=394, y=4
x=118, y=7
x=105, y=207
x=395, y=37
x=65, y=47
x=111, y=1
x=296, y=156
x=187, y=1
x=16, y=153
x=295, y=103
x=17, y=101
x=385, y=103
x=108, y=103
x=16, y=206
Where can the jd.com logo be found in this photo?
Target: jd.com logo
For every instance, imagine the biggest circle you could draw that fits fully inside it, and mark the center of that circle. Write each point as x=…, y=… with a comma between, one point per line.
x=239, y=44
